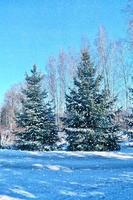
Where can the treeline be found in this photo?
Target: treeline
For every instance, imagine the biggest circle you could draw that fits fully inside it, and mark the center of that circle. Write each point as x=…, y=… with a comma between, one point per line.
x=84, y=97
x=90, y=117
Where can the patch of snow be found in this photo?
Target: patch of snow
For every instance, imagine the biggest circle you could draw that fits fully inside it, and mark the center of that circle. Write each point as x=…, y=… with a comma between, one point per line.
x=38, y=165
x=97, y=194
x=113, y=155
x=6, y=197
x=23, y=192
x=54, y=167
x=68, y=193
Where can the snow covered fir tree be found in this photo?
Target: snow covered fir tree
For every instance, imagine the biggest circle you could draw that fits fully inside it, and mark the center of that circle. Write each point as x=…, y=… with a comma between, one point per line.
x=36, y=122
x=90, y=116
x=129, y=118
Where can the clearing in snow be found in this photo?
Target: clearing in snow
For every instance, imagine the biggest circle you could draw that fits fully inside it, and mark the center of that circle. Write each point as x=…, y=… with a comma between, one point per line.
x=66, y=175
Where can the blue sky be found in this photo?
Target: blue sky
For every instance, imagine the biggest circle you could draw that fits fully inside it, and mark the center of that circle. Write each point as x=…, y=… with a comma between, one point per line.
x=33, y=30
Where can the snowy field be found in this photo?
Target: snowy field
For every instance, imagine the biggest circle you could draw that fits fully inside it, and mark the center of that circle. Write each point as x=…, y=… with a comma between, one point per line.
x=66, y=175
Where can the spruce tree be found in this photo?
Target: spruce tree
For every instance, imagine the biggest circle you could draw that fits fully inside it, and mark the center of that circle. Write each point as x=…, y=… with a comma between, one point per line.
x=108, y=127
x=36, y=122
x=129, y=118
x=90, y=119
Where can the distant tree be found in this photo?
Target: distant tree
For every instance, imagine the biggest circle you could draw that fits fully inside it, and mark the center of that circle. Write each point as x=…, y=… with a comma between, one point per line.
x=89, y=120
x=103, y=55
x=60, y=72
x=129, y=117
x=52, y=79
x=36, y=122
x=130, y=22
x=125, y=66
x=12, y=104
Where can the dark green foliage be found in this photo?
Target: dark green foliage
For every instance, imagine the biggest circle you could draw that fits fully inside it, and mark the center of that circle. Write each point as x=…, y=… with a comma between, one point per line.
x=130, y=123
x=89, y=140
x=129, y=118
x=36, y=122
x=90, y=106
x=81, y=139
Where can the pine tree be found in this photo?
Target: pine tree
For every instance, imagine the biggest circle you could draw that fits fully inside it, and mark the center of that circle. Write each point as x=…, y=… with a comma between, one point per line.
x=89, y=120
x=36, y=122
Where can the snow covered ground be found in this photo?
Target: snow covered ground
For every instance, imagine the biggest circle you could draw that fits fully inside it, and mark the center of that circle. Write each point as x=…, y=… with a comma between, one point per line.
x=66, y=175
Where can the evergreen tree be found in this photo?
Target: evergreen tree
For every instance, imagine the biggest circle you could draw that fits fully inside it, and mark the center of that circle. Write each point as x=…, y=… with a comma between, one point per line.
x=36, y=122
x=129, y=118
x=89, y=120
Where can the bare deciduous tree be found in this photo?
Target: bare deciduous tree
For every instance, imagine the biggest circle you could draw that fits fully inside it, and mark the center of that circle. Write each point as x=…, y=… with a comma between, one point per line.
x=103, y=55
x=12, y=104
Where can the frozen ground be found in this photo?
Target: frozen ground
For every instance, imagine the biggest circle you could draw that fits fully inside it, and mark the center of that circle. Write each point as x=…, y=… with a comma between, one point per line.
x=66, y=176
